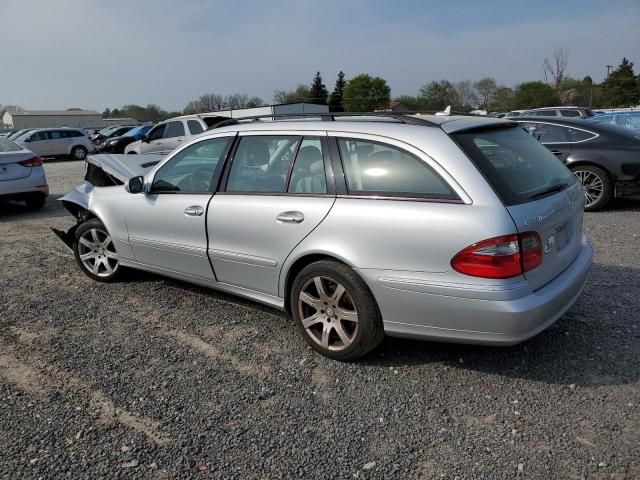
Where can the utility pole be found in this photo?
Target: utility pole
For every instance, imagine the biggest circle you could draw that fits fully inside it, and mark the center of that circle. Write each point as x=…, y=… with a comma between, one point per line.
x=609, y=67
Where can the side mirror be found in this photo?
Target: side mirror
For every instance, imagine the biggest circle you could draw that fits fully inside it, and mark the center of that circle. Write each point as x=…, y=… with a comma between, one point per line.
x=135, y=185
x=144, y=138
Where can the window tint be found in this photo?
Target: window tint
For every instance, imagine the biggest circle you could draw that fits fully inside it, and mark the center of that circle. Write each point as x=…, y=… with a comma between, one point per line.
x=515, y=164
x=192, y=169
x=576, y=135
x=174, y=129
x=307, y=175
x=194, y=127
x=545, y=133
x=261, y=164
x=541, y=113
x=570, y=113
x=157, y=132
x=379, y=169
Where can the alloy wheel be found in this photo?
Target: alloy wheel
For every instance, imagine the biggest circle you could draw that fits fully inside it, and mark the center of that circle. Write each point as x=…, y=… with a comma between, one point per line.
x=592, y=185
x=328, y=313
x=97, y=253
x=79, y=154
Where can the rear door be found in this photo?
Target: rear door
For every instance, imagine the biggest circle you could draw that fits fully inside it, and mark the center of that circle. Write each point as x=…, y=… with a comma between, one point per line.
x=276, y=193
x=551, y=136
x=174, y=135
x=60, y=142
x=539, y=192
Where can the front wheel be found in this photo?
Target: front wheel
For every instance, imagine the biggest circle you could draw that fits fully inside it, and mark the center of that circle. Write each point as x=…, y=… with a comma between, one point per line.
x=335, y=312
x=95, y=253
x=596, y=185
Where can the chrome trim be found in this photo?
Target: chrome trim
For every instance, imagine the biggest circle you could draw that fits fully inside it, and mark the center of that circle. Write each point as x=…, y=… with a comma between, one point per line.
x=242, y=258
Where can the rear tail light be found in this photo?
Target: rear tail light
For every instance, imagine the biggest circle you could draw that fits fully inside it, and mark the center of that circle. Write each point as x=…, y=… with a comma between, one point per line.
x=32, y=162
x=500, y=257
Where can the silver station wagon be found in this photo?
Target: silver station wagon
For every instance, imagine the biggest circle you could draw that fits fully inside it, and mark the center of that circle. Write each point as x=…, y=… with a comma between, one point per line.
x=447, y=228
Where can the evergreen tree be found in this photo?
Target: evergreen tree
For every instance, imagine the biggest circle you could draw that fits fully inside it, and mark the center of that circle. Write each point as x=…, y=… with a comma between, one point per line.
x=319, y=93
x=622, y=88
x=335, y=101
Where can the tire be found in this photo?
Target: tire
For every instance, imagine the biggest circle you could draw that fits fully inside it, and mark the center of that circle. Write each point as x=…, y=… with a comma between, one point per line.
x=330, y=329
x=36, y=201
x=101, y=262
x=597, y=186
x=78, y=153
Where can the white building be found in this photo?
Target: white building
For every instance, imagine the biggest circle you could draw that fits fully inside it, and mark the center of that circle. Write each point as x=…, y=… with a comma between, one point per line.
x=53, y=118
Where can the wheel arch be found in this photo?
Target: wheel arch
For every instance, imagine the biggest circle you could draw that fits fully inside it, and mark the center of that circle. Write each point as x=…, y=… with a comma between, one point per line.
x=591, y=163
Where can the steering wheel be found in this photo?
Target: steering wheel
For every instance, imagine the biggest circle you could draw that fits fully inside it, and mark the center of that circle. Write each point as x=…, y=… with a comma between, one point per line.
x=200, y=180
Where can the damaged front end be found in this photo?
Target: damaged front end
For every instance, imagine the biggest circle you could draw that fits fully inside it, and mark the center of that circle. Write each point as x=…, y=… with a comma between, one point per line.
x=101, y=171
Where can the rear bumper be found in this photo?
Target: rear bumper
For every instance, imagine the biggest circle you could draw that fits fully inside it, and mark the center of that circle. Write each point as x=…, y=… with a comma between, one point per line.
x=466, y=316
x=34, y=183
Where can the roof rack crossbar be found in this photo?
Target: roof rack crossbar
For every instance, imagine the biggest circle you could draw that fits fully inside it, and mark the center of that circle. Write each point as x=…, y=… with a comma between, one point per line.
x=327, y=117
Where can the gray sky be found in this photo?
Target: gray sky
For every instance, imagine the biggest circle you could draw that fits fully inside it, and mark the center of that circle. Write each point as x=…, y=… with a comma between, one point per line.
x=94, y=54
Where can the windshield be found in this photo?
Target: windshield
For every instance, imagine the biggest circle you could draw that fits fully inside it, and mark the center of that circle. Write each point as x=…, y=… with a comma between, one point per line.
x=137, y=131
x=107, y=130
x=7, y=145
x=518, y=167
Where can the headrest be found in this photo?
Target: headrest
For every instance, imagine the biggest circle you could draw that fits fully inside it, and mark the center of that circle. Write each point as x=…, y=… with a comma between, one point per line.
x=317, y=168
x=255, y=152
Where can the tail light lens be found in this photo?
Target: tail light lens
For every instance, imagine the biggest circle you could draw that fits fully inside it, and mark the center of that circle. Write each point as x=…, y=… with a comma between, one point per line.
x=500, y=257
x=32, y=162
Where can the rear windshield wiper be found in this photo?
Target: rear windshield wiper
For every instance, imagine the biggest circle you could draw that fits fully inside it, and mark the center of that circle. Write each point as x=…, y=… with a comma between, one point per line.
x=556, y=188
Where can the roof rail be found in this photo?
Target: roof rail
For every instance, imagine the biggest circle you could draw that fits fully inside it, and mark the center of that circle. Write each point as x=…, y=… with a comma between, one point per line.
x=405, y=117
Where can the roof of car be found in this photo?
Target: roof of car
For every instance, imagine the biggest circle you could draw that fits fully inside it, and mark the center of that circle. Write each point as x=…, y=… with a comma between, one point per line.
x=377, y=125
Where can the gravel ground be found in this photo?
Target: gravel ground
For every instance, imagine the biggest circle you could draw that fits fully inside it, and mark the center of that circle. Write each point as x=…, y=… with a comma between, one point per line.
x=153, y=378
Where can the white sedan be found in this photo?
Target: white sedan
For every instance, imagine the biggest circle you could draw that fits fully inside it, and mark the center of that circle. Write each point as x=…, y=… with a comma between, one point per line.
x=22, y=176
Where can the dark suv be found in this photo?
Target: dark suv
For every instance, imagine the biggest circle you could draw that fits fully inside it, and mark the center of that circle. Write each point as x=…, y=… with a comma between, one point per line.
x=577, y=112
x=604, y=157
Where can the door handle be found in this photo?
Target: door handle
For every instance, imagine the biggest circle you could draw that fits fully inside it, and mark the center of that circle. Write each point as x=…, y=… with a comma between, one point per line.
x=194, y=211
x=179, y=140
x=557, y=153
x=290, y=217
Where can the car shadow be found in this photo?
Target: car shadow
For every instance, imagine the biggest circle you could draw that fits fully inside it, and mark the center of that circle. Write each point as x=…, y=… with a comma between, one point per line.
x=623, y=204
x=15, y=211
x=597, y=342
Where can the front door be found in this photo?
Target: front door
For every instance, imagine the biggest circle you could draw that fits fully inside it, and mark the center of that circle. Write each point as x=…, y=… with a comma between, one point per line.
x=174, y=135
x=39, y=143
x=267, y=207
x=166, y=225
x=155, y=140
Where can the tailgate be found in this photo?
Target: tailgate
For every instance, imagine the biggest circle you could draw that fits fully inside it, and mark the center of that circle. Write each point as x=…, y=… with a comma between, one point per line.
x=558, y=220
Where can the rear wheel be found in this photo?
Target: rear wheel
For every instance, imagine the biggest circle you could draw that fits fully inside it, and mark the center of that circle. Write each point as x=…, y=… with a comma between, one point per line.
x=78, y=153
x=95, y=253
x=596, y=184
x=335, y=312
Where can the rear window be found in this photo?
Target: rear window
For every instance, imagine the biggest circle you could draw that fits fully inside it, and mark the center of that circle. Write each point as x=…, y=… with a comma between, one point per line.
x=518, y=167
x=8, y=146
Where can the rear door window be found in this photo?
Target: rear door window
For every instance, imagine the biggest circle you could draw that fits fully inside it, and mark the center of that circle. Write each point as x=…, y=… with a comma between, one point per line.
x=194, y=127
x=517, y=166
x=545, y=132
x=174, y=129
x=308, y=175
x=373, y=168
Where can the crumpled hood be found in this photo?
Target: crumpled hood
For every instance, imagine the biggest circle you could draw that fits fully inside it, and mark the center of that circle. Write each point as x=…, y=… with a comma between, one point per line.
x=123, y=167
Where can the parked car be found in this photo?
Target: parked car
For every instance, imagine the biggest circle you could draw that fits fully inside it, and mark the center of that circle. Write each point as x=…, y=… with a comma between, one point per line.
x=621, y=119
x=605, y=158
x=19, y=133
x=170, y=134
x=57, y=142
x=22, y=177
x=558, y=112
x=514, y=113
x=118, y=144
x=5, y=132
x=450, y=228
x=110, y=132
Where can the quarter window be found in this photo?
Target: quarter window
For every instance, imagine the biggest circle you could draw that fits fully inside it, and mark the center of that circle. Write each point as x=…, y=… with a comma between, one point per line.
x=570, y=113
x=192, y=170
x=174, y=129
x=261, y=164
x=307, y=175
x=576, y=135
x=374, y=168
x=194, y=127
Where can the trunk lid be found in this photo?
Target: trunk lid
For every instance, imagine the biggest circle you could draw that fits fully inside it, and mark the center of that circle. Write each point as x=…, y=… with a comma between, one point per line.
x=10, y=169
x=557, y=219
